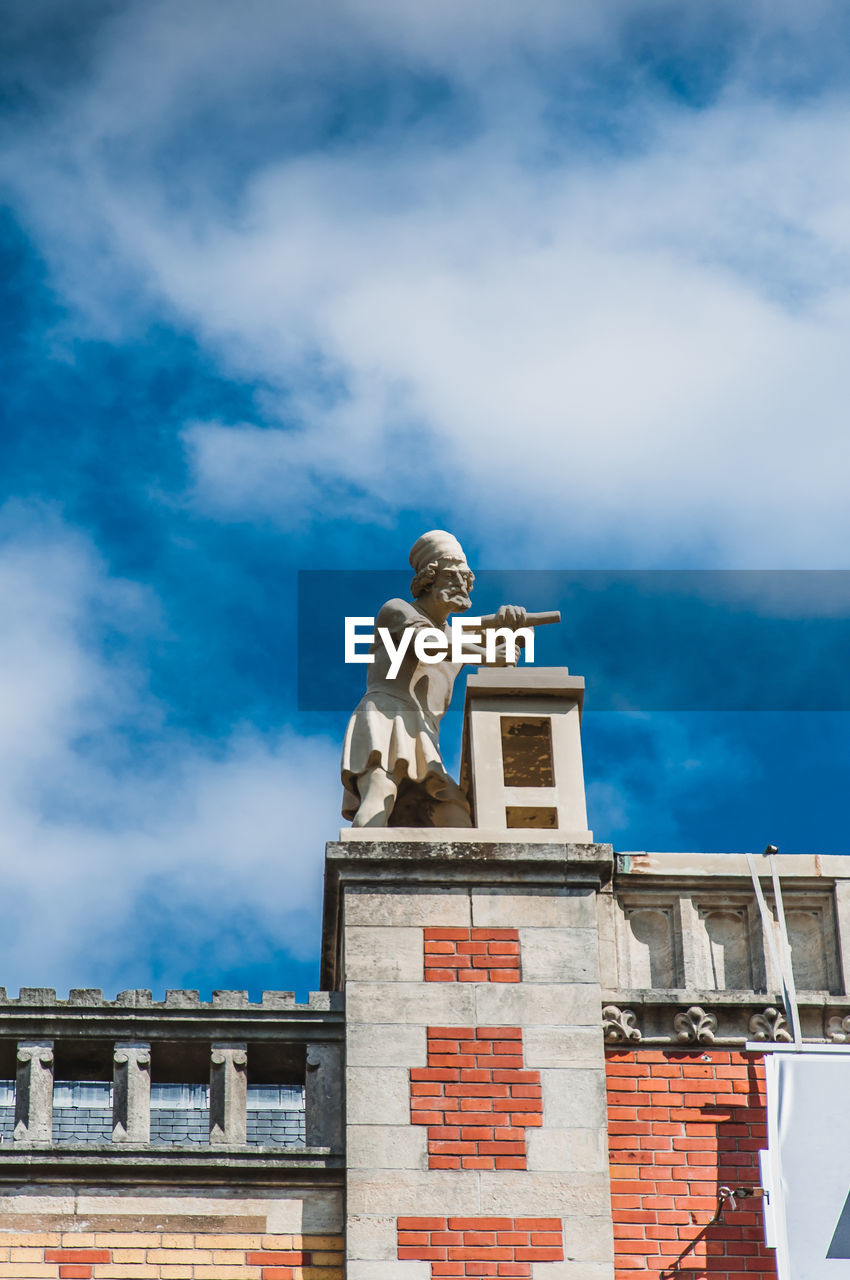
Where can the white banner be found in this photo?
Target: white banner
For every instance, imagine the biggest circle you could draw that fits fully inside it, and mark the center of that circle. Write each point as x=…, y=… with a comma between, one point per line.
x=807, y=1166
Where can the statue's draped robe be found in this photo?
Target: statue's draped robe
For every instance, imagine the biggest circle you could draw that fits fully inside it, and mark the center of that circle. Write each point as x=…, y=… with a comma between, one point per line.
x=396, y=724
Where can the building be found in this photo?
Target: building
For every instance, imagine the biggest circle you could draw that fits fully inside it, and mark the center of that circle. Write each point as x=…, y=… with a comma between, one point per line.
x=532, y=1057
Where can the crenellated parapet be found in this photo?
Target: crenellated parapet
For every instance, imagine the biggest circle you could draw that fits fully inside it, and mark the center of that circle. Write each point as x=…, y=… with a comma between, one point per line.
x=138, y=1090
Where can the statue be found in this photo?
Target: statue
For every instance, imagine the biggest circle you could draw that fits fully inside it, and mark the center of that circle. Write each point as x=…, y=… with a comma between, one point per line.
x=392, y=770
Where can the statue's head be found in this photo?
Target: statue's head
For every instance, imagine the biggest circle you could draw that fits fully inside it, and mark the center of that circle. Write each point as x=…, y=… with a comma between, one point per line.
x=441, y=570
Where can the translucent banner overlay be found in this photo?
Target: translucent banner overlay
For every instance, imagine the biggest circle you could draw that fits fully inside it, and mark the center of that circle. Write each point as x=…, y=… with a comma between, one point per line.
x=658, y=640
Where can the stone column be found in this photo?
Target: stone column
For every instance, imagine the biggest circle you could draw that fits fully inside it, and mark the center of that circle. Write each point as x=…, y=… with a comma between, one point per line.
x=475, y=1072
x=323, y=1100
x=131, y=1092
x=229, y=1094
x=34, y=1092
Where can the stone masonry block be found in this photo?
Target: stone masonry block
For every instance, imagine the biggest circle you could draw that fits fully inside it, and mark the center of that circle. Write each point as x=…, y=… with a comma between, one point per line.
x=574, y=1098
x=566, y=1150
x=373, y=1237
x=383, y=954
x=525, y=1194
x=572, y=1270
x=538, y=1004
x=379, y=1146
x=378, y=1095
x=593, y=1232
x=402, y=1192
x=559, y=955
x=407, y=907
x=312, y=1212
x=404, y=1048
x=564, y=1046
x=534, y=908
x=388, y=1271
x=438, y=1004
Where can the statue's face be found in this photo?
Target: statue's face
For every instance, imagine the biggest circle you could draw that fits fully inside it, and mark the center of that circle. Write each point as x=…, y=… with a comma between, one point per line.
x=450, y=587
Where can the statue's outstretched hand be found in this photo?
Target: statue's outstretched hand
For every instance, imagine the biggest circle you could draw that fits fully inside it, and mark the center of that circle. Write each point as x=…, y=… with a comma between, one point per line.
x=511, y=615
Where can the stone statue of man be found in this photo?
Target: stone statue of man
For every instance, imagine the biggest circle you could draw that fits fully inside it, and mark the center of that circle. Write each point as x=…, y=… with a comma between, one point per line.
x=392, y=770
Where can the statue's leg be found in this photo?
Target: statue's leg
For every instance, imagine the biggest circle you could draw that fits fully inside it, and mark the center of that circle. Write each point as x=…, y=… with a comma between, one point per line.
x=451, y=813
x=449, y=807
x=377, y=797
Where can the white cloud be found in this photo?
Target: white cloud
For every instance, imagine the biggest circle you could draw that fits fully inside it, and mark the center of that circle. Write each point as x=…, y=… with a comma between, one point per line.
x=102, y=839
x=633, y=354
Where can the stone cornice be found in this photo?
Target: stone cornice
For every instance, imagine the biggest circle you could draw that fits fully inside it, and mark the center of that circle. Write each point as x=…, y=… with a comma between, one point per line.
x=37, y=1013
x=164, y=1166
x=698, y=1019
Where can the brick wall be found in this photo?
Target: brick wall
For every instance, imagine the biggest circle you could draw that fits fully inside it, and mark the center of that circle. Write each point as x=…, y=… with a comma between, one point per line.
x=169, y=1256
x=476, y=1098
x=680, y=1126
x=472, y=955
x=477, y=1247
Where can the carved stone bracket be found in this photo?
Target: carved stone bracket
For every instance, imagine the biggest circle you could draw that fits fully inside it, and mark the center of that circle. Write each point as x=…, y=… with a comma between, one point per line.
x=695, y=1026
x=771, y=1025
x=619, y=1026
x=837, y=1028
x=228, y=1093
x=34, y=1092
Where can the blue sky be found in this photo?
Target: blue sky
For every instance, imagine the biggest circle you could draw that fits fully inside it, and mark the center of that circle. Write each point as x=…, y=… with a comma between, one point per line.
x=285, y=285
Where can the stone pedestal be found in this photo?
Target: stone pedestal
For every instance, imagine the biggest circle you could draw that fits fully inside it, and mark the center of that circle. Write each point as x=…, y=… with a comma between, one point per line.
x=522, y=765
x=475, y=1087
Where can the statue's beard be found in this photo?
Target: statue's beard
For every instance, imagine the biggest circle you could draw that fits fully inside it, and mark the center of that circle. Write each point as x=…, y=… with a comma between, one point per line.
x=456, y=597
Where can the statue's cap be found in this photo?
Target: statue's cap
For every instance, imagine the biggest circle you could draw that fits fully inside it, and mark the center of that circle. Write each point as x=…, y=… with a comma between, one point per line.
x=435, y=545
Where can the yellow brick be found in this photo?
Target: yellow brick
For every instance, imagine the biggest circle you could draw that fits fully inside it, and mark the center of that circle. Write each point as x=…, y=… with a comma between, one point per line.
x=231, y=1241
x=229, y=1255
x=177, y=1240
x=185, y=1256
x=281, y=1242
x=319, y=1273
x=322, y=1242
x=175, y=1273
x=44, y=1239
x=78, y=1239
x=226, y=1273
x=27, y=1270
x=128, y=1239
x=128, y=1255
x=29, y=1254
x=124, y=1271
x=323, y=1259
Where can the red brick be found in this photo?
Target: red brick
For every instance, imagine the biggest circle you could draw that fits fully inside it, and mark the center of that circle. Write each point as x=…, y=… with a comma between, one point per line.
x=692, y=1129
x=77, y=1255
x=278, y=1257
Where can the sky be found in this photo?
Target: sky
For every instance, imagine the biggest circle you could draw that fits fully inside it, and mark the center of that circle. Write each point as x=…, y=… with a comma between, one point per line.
x=284, y=285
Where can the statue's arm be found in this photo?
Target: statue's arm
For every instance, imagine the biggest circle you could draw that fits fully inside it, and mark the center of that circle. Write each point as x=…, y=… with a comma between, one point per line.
x=395, y=615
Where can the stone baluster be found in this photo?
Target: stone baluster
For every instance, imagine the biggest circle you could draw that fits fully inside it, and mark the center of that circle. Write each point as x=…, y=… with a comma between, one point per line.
x=131, y=1092
x=229, y=1094
x=34, y=1092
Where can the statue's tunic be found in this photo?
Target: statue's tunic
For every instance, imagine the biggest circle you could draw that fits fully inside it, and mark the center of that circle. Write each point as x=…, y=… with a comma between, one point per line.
x=396, y=724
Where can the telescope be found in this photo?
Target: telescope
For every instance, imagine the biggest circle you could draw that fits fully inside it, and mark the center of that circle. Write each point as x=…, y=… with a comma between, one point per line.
x=531, y=620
